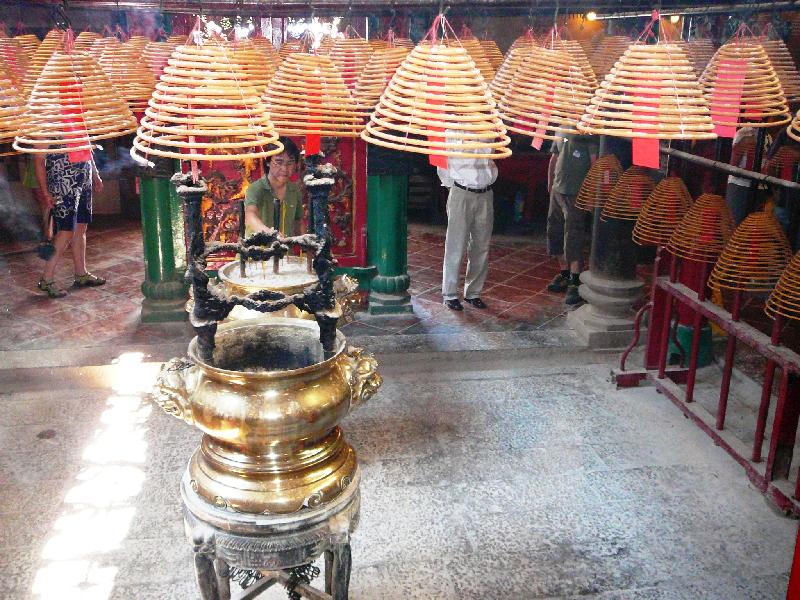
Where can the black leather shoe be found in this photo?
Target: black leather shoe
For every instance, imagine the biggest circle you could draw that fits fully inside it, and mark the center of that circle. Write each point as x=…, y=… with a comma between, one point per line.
x=573, y=296
x=476, y=302
x=453, y=304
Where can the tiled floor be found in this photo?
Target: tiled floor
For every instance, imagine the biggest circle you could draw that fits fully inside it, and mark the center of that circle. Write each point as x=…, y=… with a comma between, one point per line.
x=515, y=293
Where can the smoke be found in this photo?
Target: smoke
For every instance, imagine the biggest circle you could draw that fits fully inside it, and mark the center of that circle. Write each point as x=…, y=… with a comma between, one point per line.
x=112, y=166
x=19, y=213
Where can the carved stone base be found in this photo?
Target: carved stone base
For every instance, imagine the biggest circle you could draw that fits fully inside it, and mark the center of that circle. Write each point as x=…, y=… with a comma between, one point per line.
x=271, y=544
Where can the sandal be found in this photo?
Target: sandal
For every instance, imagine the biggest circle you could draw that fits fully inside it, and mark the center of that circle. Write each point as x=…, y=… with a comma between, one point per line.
x=50, y=288
x=88, y=280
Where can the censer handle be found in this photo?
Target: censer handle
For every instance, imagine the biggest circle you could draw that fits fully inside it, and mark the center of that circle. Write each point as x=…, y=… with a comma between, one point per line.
x=364, y=377
x=174, y=386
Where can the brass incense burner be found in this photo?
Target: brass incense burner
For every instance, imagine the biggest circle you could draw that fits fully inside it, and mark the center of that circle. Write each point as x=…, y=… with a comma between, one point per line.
x=269, y=404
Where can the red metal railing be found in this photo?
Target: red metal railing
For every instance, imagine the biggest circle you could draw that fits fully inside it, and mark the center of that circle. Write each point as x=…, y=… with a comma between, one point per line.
x=770, y=476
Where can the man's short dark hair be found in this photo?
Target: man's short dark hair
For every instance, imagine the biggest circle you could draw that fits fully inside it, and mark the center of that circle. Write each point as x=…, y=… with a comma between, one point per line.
x=290, y=148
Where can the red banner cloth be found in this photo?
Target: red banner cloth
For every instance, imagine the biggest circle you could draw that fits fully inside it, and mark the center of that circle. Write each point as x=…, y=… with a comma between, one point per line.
x=727, y=99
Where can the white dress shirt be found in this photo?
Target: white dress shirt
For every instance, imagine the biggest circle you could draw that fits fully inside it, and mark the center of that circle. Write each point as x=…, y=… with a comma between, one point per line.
x=475, y=173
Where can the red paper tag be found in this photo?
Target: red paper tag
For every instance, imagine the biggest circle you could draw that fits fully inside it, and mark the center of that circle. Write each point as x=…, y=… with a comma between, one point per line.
x=437, y=160
x=313, y=140
x=726, y=99
x=645, y=150
x=543, y=121
x=70, y=94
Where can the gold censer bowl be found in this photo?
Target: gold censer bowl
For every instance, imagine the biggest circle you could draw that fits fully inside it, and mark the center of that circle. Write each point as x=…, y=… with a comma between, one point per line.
x=292, y=279
x=269, y=404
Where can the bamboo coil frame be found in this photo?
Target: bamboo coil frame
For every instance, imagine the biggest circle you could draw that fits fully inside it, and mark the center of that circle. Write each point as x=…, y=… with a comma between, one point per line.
x=705, y=229
x=785, y=298
x=156, y=55
x=350, y=55
x=547, y=95
x=205, y=108
x=129, y=74
x=85, y=40
x=762, y=102
x=307, y=96
x=72, y=87
x=52, y=42
x=438, y=103
x=662, y=213
x=700, y=52
x=14, y=60
x=598, y=183
x=754, y=257
x=376, y=75
x=629, y=195
x=783, y=63
x=651, y=92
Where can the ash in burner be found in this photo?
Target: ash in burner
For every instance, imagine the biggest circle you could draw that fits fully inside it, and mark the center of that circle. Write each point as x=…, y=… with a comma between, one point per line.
x=267, y=348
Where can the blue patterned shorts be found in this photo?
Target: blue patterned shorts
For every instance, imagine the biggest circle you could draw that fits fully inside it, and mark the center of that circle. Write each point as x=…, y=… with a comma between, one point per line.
x=70, y=184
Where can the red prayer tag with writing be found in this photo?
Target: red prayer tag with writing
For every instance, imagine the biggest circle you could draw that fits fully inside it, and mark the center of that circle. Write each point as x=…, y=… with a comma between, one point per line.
x=70, y=96
x=726, y=99
x=645, y=150
x=437, y=160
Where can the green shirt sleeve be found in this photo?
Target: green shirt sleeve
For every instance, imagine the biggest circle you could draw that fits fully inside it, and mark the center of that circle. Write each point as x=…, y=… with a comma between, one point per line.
x=253, y=194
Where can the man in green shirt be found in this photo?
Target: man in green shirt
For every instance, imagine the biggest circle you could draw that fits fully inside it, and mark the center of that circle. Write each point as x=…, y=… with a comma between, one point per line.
x=275, y=200
x=572, y=157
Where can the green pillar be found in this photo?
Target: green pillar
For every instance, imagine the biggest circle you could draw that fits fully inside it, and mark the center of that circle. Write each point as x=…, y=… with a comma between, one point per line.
x=387, y=227
x=165, y=292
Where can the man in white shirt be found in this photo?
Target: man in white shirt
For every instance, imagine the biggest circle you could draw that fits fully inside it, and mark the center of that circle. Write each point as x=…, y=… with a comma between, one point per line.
x=470, y=217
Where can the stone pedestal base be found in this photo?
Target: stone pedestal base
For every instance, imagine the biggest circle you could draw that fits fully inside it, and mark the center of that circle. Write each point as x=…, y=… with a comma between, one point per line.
x=390, y=304
x=266, y=549
x=606, y=322
x=164, y=302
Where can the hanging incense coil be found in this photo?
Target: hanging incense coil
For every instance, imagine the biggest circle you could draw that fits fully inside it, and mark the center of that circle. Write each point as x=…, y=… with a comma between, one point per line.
x=704, y=230
x=438, y=103
x=14, y=60
x=783, y=164
x=29, y=44
x=700, y=52
x=85, y=40
x=156, y=55
x=350, y=56
x=307, y=96
x=72, y=103
x=629, y=195
x=662, y=212
x=547, y=95
x=785, y=298
x=376, y=75
x=325, y=44
x=378, y=44
x=743, y=152
x=205, y=108
x=783, y=63
x=178, y=39
x=268, y=50
x=52, y=42
x=129, y=74
x=607, y=53
x=12, y=108
x=138, y=41
x=507, y=71
x=290, y=48
x=598, y=183
x=475, y=51
x=492, y=53
x=573, y=49
x=101, y=45
x=401, y=42
x=255, y=63
x=651, y=92
x=754, y=257
x=743, y=89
